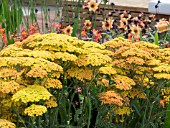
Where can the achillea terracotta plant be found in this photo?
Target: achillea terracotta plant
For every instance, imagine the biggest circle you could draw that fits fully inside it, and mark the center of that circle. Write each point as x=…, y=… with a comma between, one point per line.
x=55, y=80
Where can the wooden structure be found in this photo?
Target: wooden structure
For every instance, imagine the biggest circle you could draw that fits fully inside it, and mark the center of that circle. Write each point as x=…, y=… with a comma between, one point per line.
x=71, y=9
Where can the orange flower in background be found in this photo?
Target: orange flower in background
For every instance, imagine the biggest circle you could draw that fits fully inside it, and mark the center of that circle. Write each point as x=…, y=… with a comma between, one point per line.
x=107, y=25
x=93, y=6
x=163, y=25
x=24, y=34
x=68, y=30
x=87, y=24
x=56, y=25
x=83, y=33
x=2, y=30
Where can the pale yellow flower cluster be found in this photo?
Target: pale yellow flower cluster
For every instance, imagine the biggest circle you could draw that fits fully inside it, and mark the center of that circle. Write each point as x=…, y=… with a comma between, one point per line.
x=107, y=70
x=32, y=93
x=117, y=43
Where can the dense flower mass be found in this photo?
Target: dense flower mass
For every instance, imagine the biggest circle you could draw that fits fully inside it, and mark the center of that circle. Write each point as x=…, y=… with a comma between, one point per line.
x=71, y=73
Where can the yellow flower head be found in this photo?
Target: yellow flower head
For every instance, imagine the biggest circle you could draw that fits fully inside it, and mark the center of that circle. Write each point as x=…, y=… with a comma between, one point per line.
x=35, y=110
x=52, y=83
x=80, y=73
x=9, y=87
x=51, y=103
x=32, y=93
x=107, y=70
x=37, y=72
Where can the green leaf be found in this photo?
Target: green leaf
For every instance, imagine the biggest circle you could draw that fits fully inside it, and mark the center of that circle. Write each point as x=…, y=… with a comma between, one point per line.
x=156, y=39
x=75, y=27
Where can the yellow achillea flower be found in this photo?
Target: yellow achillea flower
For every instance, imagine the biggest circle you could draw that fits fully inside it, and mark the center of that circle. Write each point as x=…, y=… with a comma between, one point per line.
x=8, y=72
x=6, y=124
x=97, y=59
x=32, y=93
x=49, y=66
x=80, y=73
x=107, y=70
x=162, y=68
x=64, y=56
x=28, y=53
x=117, y=43
x=52, y=83
x=162, y=76
x=143, y=44
x=103, y=81
x=81, y=60
x=136, y=52
x=111, y=97
x=122, y=110
x=55, y=75
x=51, y=103
x=153, y=62
x=35, y=110
x=123, y=82
x=37, y=72
x=90, y=44
x=9, y=87
x=94, y=59
x=135, y=60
